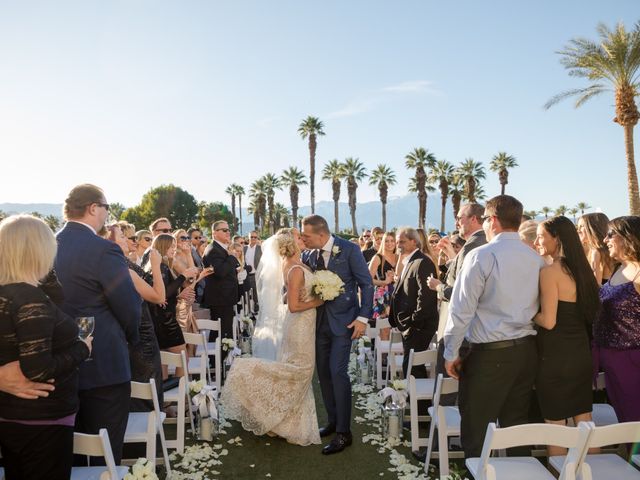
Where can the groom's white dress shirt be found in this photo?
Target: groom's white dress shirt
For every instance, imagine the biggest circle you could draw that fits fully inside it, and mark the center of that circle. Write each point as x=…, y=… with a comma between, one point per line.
x=326, y=255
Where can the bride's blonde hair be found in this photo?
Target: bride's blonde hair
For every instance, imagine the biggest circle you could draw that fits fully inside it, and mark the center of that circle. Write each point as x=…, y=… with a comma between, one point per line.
x=287, y=246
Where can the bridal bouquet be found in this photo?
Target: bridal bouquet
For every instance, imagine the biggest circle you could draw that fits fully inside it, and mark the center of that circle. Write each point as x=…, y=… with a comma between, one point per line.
x=326, y=285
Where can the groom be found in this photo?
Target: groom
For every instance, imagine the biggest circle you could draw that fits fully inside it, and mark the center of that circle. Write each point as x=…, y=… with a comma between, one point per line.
x=338, y=323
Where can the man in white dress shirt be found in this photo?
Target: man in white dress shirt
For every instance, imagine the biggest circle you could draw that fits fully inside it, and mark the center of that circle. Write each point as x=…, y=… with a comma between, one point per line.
x=252, y=256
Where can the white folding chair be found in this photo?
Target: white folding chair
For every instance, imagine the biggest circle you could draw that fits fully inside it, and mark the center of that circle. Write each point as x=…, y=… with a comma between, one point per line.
x=198, y=364
x=180, y=396
x=382, y=348
x=447, y=420
x=395, y=356
x=142, y=427
x=530, y=468
x=212, y=349
x=419, y=389
x=603, y=413
x=96, y=446
x=607, y=465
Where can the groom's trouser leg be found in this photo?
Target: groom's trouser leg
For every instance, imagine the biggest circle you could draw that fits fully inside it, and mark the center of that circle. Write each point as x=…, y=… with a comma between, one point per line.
x=339, y=363
x=323, y=365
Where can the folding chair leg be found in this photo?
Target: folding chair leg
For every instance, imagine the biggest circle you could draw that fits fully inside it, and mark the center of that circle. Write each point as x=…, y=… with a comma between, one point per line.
x=443, y=453
x=165, y=453
x=379, y=369
x=415, y=434
x=151, y=439
x=432, y=429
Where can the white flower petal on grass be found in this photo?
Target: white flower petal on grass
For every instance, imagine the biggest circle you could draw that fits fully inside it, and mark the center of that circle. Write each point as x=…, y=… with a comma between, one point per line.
x=253, y=465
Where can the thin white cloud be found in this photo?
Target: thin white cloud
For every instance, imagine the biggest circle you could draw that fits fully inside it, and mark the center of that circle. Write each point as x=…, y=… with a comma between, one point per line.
x=368, y=101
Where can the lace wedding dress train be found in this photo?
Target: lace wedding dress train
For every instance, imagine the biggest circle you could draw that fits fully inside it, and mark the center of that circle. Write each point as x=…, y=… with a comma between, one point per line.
x=277, y=397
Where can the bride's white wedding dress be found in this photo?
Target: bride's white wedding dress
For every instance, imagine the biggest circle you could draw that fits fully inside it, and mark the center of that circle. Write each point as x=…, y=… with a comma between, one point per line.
x=277, y=397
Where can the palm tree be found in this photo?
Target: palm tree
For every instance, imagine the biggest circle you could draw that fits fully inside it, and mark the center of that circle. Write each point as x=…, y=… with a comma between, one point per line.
x=582, y=206
x=561, y=210
x=441, y=174
x=501, y=163
x=382, y=177
x=531, y=213
x=255, y=211
x=419, y=159
x=573, y=212
x=545, y=211
x=239, y=193
x=292, y=178
x=258, y=194
x=271, y=185
x=334, y=172
x=455, y=191
x=354, y=173
x=611, y=65
x=311, y=127
x=281, y=215
x=232, y=191
x=471, y=172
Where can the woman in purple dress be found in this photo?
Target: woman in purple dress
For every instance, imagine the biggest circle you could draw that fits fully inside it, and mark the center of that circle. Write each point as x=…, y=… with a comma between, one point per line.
x=617, y=328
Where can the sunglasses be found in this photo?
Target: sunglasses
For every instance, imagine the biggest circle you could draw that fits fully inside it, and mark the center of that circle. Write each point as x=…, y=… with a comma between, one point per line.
x=133, y=239
x=610, y=234
x=433, y=242
x=183, y=238
x=105, y=205
x=225, y=230
x=484, y=218
x=163, y=230
x=197, y=238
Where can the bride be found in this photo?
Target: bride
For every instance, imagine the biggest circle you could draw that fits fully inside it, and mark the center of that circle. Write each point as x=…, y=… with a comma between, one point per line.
x=276, y=397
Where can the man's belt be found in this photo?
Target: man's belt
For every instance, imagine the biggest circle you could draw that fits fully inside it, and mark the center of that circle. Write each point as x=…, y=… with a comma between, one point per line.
x=501, y=343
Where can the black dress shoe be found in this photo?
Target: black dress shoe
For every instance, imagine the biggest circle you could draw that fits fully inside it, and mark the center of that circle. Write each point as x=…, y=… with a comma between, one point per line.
x=338, y=444
x=328, y=430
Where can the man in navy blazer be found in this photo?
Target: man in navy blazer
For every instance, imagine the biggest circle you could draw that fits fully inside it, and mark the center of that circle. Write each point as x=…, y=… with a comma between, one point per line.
x=338, y=323
x=96, y=282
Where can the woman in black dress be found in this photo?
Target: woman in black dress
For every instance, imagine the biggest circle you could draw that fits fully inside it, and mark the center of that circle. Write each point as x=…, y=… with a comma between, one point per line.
x=569, y=303
x=144, y=356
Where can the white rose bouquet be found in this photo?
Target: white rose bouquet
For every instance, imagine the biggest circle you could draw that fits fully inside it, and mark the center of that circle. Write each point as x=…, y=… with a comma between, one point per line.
x=228, y=344
x=326, y=285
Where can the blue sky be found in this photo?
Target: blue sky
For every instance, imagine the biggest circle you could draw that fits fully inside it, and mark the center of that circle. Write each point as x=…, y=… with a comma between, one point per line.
x=133, y=94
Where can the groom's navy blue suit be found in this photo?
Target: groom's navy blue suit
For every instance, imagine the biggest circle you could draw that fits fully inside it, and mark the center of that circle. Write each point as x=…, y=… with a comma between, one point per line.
x=333, y=338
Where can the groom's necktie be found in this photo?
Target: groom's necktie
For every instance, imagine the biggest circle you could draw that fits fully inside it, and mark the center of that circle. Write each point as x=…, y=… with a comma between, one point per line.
x=320, y=262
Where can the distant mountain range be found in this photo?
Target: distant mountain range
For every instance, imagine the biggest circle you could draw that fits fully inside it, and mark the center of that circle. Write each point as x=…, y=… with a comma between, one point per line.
x=401, y=211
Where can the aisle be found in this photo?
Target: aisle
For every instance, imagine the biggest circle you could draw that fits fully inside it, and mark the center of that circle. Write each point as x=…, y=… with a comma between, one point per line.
x=245, y=456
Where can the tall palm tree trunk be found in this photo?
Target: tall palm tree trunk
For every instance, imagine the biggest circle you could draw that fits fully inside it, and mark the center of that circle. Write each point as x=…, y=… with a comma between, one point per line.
x=336, y=205
x=455, y=203
x=312, y=170
x=443, y=210
x=384, y=216
x=240, y=211
x=352, y=208
x=632, y=175
x=293, y=194
x=234, y=224
x=422, y=209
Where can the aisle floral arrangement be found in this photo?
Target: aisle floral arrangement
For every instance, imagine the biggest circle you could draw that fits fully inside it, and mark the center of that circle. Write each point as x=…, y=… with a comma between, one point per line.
x=141, y=470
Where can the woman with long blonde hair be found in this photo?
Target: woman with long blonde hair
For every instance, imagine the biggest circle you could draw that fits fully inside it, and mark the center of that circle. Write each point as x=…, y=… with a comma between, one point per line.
x=182, y=261
x=592, y=229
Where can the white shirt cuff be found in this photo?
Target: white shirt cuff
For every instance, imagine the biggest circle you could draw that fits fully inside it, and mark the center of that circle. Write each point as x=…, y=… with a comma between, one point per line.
x=363, y=320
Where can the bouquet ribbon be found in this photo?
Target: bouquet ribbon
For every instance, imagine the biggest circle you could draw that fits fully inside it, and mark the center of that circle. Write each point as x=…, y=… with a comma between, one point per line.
x=205, y=401
x=364, y=353
x=399, y=397
x=236, y=352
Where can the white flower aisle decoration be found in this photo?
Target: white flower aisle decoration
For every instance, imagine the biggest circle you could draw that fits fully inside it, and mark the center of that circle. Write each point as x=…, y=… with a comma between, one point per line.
x=393, y=400
x=205, y=398
x=246, y=335
x=141, y=470
x=365, y=360
x=326, y=285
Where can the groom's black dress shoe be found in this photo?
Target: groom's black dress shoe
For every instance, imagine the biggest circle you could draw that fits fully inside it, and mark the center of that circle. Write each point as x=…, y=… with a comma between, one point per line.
x=328, y=430
x=338, y=444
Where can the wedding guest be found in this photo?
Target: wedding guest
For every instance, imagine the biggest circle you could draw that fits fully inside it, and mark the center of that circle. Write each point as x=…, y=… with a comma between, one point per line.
x=96, y=283
x=144, y=356
x=414, y=308
x=617, y=327
x=369, y=250
x=382, y=268
x=143, y=239
x=204, y=243
x=221, y=289
x=13, y=382
x=129, y=232
x=569, y=303
x=457, y=242
x=36, y=438
x=183, y=261
x=195, y=234
x=252, y=256
x=493, y=302
x=239, y=239
x=528, y=232
x=592, y=228
x=167, y=329
x=160, y=225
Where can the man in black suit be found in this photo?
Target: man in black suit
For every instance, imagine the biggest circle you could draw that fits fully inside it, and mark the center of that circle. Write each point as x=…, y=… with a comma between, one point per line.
x=96, y=282
x=252, y=256
x=221, y=288
x=414, y=309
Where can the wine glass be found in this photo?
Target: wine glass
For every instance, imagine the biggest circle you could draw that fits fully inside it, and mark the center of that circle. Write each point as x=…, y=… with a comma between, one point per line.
x=85, y=327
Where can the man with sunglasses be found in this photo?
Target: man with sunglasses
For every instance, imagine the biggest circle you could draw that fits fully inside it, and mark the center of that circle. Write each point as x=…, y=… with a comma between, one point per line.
x=221, y=288
x=195, y=235
x=96, y=283
x=252, y=256
x=160, y=225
